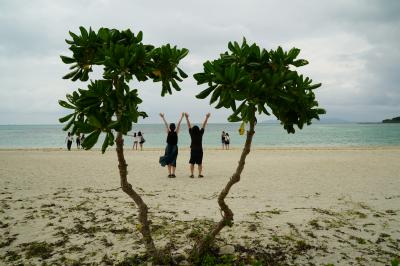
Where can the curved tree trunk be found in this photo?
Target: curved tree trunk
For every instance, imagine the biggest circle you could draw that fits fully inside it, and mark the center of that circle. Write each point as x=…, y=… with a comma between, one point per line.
x=227, y=215
x=143, y=209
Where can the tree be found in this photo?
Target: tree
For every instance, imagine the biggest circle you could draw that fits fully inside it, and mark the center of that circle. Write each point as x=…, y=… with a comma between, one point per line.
x=256, y=80
x=109, y=105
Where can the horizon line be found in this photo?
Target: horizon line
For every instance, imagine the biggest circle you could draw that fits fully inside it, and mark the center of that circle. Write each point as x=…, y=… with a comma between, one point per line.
x=215, y=123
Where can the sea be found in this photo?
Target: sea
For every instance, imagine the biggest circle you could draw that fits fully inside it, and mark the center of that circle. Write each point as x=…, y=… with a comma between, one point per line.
x=267, y=135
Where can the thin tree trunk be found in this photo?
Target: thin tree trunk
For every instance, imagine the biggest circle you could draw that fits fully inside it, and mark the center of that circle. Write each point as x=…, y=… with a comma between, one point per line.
x=143, y=209
x=227, y=214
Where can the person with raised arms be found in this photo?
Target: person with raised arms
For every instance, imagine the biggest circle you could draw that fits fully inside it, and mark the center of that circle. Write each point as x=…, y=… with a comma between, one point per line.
x=171, y=150
x=196, y=146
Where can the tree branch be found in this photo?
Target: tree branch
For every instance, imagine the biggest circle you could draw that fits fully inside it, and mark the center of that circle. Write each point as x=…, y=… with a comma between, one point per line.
x=127, y=188
x=227, y=215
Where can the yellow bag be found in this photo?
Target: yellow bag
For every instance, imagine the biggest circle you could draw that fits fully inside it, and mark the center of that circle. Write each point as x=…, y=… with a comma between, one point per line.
x=241, y=129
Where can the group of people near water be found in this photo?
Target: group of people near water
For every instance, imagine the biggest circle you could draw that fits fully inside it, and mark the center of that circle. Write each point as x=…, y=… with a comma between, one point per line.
x=225, y=140
x=138, y=139
x=70, y=139
x=196, y=145
x=171, y=150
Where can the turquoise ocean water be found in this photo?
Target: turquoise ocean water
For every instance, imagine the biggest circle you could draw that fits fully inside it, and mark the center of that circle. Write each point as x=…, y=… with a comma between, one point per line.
x=267, y=135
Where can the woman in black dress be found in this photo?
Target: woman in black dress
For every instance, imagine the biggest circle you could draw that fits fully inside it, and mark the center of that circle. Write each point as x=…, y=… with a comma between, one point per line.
x=171, y=151
x=196, y=145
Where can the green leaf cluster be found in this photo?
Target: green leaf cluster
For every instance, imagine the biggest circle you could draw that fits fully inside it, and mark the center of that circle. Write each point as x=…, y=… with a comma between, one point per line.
x=248, y=79
x=109, y=105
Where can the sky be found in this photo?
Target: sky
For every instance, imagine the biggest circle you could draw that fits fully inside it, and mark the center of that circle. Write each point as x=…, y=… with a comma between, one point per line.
x=352, y=46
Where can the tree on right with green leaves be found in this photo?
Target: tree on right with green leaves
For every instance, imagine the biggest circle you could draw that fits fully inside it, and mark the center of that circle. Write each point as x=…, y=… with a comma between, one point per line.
x=247, y=80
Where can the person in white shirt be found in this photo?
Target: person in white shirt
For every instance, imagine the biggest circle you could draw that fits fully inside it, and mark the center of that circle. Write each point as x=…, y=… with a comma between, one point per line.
x=135, y=141
x=223, y=139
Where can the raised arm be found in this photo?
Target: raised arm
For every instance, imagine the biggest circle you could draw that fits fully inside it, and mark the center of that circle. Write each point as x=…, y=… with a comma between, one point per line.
x=165, y=122
x=187, y=120
x=179, y=123
x=205, y=120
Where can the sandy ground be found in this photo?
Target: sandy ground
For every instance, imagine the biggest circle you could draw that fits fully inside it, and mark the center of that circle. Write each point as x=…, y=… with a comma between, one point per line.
x=304, y=206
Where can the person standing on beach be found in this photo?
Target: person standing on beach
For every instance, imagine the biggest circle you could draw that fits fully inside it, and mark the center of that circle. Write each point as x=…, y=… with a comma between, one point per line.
x=78, y=142
x=227, y=140
x=135, y=141
x=69, y=139
x=223, y=139
x=196, y=146
x=171, y=151
x=140, y=139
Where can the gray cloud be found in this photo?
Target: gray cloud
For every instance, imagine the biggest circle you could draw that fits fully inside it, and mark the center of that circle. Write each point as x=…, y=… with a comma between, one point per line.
x=352, y=47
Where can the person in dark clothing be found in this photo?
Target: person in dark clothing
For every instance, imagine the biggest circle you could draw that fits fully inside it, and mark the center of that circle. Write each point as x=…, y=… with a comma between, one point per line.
x=171, y=151
x=196, y=146
x=69, y=139
x=223, y=139
x=140, y=139
x=227, y=141
x=78, y=141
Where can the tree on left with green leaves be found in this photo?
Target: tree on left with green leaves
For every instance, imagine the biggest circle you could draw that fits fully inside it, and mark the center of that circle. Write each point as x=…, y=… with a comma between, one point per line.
x=109, y=105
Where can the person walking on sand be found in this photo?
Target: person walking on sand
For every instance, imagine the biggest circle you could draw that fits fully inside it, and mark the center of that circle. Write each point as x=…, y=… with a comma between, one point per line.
x=171, y=151
x=140, y=139
x=223, y=139
x=227, y=141
x=69, y=139
x=196, y=146
x=135, y=141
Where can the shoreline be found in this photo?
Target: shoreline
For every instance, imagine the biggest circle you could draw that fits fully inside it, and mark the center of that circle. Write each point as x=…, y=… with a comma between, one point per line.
x=266, y=148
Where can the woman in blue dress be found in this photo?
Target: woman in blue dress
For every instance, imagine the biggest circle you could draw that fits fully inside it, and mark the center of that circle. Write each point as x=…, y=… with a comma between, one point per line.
x=171, y=151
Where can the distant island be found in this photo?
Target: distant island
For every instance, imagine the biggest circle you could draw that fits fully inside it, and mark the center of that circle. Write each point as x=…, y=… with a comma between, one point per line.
x=393, y=120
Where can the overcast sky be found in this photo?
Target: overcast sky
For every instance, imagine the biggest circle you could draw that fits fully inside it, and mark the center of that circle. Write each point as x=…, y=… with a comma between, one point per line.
x=353, y=48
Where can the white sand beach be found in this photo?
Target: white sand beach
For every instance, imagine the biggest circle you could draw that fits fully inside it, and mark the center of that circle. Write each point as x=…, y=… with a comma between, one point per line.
x=311, y=206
